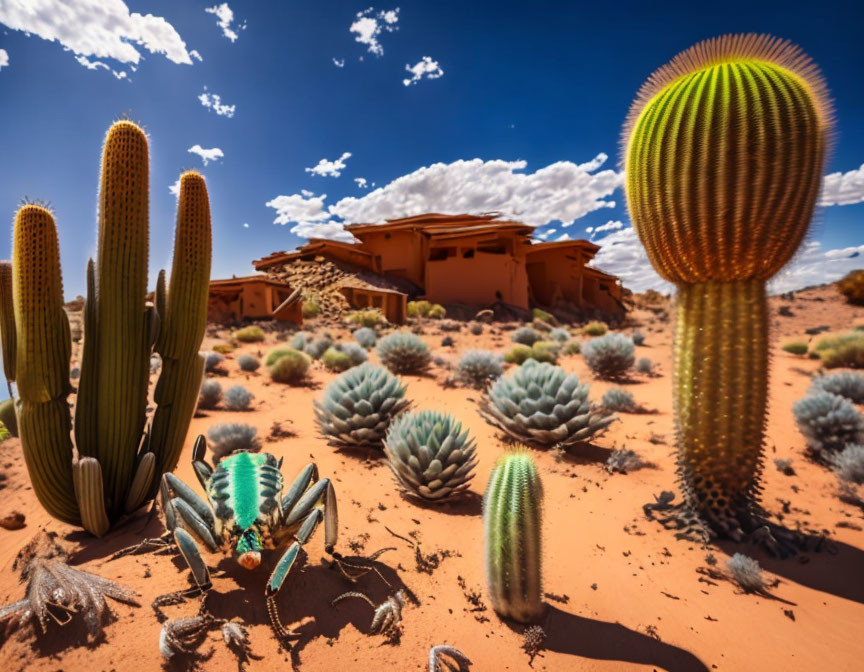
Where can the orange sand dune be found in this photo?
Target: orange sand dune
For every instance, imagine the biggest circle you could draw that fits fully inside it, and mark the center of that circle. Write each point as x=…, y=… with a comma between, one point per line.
x=624, y=594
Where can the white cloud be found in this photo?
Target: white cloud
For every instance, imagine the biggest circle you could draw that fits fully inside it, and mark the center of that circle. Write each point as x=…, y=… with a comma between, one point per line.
x=326, y=168
x=96, y=65
x=245, y=225
x=815, y=266
x=563, y=192
x=175, y=188
x=361, y=182
x=194, y=54
x=213, y=101
x=843, y=188
x=621, y=253
x=425, y=68
x=99, y=28
x=4, y=58
x=369, y=24
x=339, y=62
x=225, y=17
x=611, y=225
x=207, y=155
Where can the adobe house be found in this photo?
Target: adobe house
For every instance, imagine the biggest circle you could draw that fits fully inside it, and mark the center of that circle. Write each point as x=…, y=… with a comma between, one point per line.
x=392, y=304
x=469, y=259
x=256, y=297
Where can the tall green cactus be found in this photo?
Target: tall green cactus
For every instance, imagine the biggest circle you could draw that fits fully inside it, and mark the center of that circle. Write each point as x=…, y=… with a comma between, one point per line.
x=724, y=150
x=119, y=464
x=512, y=531
x=7, y=323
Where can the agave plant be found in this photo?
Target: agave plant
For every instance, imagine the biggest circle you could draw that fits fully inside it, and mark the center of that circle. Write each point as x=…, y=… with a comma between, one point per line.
x=357, y=408
x=430, y=455
x=540, y=404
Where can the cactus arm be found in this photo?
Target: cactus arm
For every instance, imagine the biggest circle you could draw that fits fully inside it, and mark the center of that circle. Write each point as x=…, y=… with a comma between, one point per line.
x=7, y=322
x=86, y=406
x=141, y=483
x=90, y=493
x=43, y=346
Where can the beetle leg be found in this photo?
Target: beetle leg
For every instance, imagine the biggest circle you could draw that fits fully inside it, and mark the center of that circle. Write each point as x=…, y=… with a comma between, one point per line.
x=193, y=523
x=188, y=495
x=308, y=475
x=200, y=573
x=274, y=584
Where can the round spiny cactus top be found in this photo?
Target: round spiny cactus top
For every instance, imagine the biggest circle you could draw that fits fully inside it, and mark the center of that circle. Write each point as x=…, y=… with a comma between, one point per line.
x=724, y=150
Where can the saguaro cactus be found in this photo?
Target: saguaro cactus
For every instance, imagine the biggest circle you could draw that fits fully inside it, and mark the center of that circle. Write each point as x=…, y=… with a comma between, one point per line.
x=511, y=523
x=724, y=149
x=7, y=323
x=118, y=464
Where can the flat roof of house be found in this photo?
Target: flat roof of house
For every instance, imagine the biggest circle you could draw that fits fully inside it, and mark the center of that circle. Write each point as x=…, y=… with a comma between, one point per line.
x=229, y=283
x=432, y=220
x=562, y=244
x=596, y=271
x=314, y=245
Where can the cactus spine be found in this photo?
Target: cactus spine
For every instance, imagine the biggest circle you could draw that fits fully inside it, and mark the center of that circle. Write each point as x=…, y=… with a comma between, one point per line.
x=116, y=470
x=512, y=530
x=42, y=361
x=724, y=149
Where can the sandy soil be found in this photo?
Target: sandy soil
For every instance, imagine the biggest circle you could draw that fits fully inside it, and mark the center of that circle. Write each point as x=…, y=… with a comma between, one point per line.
x=623, y=593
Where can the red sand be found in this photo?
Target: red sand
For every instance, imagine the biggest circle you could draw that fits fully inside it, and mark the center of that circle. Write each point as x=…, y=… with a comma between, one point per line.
x=623, y=593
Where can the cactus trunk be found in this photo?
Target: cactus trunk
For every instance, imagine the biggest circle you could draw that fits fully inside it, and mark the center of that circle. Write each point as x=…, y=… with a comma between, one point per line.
x=721, y=387
x=512, y=531
x=42, y=361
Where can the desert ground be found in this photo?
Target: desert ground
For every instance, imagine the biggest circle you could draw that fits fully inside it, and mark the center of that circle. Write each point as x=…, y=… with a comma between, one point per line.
x=622, y=592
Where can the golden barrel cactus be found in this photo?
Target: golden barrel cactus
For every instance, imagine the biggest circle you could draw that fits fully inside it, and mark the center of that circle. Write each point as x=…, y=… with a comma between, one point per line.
x=724, y=150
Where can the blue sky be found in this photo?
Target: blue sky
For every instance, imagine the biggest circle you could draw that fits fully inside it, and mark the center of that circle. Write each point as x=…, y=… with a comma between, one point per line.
x=513, y=108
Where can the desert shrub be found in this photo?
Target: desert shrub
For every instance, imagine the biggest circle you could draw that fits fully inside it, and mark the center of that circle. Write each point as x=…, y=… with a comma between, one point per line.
x=437, y=312
x=475, y=328
x=210, y=395
x=624, y=460
x=795, y=347
x=828, y=422
x=316, y=348
x=545, y=351
x=609, y=356
x=638, y=337
x=418, y=308
x=356, y=354
x=848, y=464
x=543, y=316
x=447, y=342
x=8, y=417
x=519, y=354
x=403, y=352
x=155, y=364
x=250, y=334
x=366, y=337
x=848, y=384
x=845, y=350
x=478, y=368
x=223, y=348
x=300, y=339
x=310, y=308
x=526, y=336
x=559, y=334
x=572, y=348
x=212, y=360
x=595, y=329
x=616, y=399
x=229, y=437
x=276, y=353
x=290, y=367
x=248, y=363
x=336, y=360
x=852, y=287
x=541, y=326
x=371, y=318
x=450, y=325
x=746, y=572
x=237, y=398
x=644, y=366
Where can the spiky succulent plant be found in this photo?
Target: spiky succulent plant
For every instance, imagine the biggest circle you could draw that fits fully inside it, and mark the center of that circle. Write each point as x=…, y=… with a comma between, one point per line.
x=526, y=336
x=724, y=151
x=848, y=384
x=357, y=408
x=248, y=363
x=616, y=399
x=610, y=356
x=828, y=422
x=366, y=337
x=478, y=368
x=355, y=352
x=541, y=404
x=430, y=455
x=403, y=352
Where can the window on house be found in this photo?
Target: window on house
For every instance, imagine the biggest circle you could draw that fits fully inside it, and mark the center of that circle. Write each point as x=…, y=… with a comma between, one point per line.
x=492, y=249
x=441, y=253
x=377, y=302
x=468, y=253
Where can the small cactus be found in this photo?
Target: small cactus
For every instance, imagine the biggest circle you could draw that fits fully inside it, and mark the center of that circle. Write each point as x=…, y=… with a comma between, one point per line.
x=357, y=408
x=512, y=525
x=237, y=398
x=403, y=352
x=430, y=455
x=610, y=356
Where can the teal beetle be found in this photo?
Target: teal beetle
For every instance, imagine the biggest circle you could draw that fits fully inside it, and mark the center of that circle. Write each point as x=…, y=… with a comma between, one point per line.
x=246, y=512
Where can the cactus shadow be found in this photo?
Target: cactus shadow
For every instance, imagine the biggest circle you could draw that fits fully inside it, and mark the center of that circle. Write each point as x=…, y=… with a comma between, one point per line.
x=586, y=453
x=600, y=640
x=837, y=572
x=144, y=524
x=469, y=504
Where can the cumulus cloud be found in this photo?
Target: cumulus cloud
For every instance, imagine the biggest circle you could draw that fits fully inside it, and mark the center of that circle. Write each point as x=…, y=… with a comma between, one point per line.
x=4, y=58
x=175, y=188
x=98, y=28
x=361, y=182
x=194, y=54
x=96, y=65
x=622, y=254
x=843, y=188
x=816, y=266
x=561, y=192
x=611, y=225
x=224, y=18
x=339, y=62
x=326, y=168
x=369, y=24
x=213, y=101
x=207, y=155
x=426, y=68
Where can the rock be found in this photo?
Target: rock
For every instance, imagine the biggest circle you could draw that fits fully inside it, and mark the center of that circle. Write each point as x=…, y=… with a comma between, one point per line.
x=12, y=521
x=484, y=315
